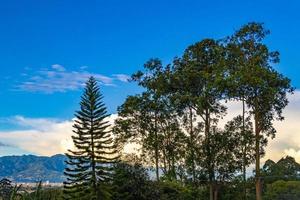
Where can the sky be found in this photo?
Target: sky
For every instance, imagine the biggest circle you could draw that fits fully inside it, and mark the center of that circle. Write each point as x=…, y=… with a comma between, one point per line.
x=49, y=48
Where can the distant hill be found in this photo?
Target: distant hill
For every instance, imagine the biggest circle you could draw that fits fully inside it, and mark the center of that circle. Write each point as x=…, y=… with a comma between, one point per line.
x=30, y=168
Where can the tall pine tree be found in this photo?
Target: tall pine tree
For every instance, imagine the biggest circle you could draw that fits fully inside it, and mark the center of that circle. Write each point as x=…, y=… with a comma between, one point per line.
x=90, y=164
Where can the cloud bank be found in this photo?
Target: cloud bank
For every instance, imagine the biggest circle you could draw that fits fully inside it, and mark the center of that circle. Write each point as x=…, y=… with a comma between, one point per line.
x=49, y=136
x=287, y=139
x=41, y=136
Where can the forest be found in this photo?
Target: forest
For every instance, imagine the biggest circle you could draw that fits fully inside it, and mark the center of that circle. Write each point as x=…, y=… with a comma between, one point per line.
x=179, y=149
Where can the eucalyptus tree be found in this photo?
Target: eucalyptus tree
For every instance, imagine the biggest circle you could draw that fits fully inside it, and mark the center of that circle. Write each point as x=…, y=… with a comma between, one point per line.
x=285, y=169
x=197, y=84
x=224, y=156
x=145, y=123
x=137, y=123
x=89, y=165
x=262, y=88
x=172, y=140
x=242, y=130
x=193, y=129
x=150, y=120
x=236, y=89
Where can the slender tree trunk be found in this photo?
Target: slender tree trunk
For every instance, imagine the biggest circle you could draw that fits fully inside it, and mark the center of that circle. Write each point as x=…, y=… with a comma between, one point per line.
x=173, y=166
x=169, y=155
x=94, y=183
x=244, y=175
x=165, y=162
x=244, y=154
x=211, y=191
x=257, y=160
x=169, y=167
x=192, y=145
x=156, y=148
x=156, y=160
x=209, y=158
x=216, y=192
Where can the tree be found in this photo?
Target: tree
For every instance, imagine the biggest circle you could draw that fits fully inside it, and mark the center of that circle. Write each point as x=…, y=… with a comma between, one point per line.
x=236, y=89
x=241, y=129
x=89, y=165
x=197, y=84
x=283, y=190
x=138, y=122
x=265, y=90
x=285, y=169
x=6, y=188
x=130, y=182
x=151, y=120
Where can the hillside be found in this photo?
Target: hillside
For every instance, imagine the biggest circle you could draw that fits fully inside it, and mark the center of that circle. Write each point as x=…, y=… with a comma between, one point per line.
x=30, y=168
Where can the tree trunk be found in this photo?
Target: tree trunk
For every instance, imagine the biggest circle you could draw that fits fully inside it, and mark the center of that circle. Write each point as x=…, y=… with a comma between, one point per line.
x=244, y=154
x=192, y=145
x=257, y=160
x=211, y=191
x=244, y=176
x=94, y=179
x=216, y=191
x=156, y=149
x=156, y=161
x=173, y=167
x=165, y=162
x=209, y=158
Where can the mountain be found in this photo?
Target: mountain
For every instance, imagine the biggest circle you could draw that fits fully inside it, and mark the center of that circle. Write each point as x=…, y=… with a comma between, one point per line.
x=30, y=168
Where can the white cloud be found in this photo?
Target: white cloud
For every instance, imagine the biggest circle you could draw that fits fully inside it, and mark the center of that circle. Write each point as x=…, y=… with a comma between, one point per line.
x=41, y=124
x=122, y=77
x=59, y=79
x=55, y=140
x=50, y=136
x=83, y=67
x=287, y=139
x=45, y=136
x=58, y=67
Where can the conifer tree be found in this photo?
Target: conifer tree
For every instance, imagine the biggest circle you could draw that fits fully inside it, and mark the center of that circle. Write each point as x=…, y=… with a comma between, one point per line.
x=90, y=164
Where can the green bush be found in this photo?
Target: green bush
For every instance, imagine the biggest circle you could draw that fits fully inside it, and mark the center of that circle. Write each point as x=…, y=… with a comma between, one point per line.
x=283, y=190
x=177, y=191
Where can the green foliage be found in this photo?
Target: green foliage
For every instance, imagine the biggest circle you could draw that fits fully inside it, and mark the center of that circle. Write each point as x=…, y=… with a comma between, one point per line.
x=254, y=80
x=15, y=195
x=130, y=182
x=175, y=190
x=150, y=120
x=175, y=120
x=6, y=188
x=190, y=90
x=283, y=190
x=285, y=169
x=89, y=165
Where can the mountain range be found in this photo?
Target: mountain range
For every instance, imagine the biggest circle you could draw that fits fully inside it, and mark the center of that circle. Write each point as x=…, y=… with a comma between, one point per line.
x=31, y=168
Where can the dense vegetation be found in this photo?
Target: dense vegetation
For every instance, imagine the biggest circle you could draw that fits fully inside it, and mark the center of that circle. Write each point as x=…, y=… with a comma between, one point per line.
x=131, y=181
x=175, y=126
x=176, y=119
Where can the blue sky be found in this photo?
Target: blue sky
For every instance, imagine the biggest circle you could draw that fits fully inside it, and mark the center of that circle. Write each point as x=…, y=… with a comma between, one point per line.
x=49, y=47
